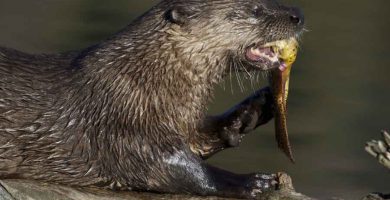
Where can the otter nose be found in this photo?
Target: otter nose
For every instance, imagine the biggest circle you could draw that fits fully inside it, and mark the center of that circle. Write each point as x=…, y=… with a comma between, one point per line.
x=296, y=16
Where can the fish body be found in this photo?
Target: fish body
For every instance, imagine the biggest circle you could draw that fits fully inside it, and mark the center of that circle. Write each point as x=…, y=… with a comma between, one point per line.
x=279, y=82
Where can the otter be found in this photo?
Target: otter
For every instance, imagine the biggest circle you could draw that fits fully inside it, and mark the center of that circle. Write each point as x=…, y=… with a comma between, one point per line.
x=129, y=113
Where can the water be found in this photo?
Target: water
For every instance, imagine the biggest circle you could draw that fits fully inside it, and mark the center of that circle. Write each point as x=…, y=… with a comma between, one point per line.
x=339, y=88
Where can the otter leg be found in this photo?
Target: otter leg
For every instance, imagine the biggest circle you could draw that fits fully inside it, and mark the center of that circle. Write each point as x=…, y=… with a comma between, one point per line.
x=227, y=130
x=197, y=177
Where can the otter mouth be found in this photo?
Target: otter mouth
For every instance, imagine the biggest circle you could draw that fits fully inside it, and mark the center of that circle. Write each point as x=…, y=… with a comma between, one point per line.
x=267, y=54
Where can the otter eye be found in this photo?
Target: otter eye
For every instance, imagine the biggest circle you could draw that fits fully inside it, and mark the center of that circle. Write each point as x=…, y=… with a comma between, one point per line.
x=174, y=16
x=257, y=11
x=180, y=15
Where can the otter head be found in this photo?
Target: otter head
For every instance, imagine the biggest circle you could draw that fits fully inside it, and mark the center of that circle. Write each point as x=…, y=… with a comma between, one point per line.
x=240, y=32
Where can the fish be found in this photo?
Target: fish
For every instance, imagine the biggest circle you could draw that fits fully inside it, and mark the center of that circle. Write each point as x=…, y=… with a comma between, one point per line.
x=279, y=81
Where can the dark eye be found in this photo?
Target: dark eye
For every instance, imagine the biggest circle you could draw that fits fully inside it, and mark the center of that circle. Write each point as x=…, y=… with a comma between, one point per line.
x=257, y=11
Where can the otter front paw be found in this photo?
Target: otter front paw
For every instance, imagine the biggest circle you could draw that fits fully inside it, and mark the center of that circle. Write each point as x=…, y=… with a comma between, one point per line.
x=246, y=116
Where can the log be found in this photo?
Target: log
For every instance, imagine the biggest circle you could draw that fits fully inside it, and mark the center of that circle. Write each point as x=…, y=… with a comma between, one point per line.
x=32, y=190
x=380, y=149
x=377, y=196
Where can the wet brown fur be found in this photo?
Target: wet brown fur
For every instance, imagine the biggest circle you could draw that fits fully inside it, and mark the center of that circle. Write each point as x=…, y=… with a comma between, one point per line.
x=126, y=112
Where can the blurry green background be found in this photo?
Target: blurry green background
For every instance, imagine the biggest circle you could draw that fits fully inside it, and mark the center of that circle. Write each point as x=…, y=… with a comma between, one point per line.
x=339, y=89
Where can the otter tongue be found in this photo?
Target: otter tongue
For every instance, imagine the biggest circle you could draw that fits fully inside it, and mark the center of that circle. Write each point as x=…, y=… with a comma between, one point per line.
x=279, y=82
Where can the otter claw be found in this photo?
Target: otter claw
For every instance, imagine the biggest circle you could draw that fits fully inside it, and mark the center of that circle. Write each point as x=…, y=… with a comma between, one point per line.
x=260, y=183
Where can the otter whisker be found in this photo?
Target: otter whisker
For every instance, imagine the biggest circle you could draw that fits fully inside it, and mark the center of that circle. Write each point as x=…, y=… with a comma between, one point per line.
x=266, y=74
x=239, y=80
x=257, y=76
x=251, y=81
x=230, y=75
x=223, y=84
x=243, y=66
x=254, y=81
x=249, y=75
x=235, y=73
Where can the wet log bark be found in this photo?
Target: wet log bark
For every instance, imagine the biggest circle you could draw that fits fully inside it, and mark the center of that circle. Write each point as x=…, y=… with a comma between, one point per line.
x=380, y=149
x=31, y=190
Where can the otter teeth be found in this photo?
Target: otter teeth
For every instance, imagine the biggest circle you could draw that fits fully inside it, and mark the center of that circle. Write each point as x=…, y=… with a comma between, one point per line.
x=262, y=54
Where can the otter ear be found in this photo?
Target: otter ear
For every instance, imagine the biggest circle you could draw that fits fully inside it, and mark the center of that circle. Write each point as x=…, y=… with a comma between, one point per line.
x=178, y=15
